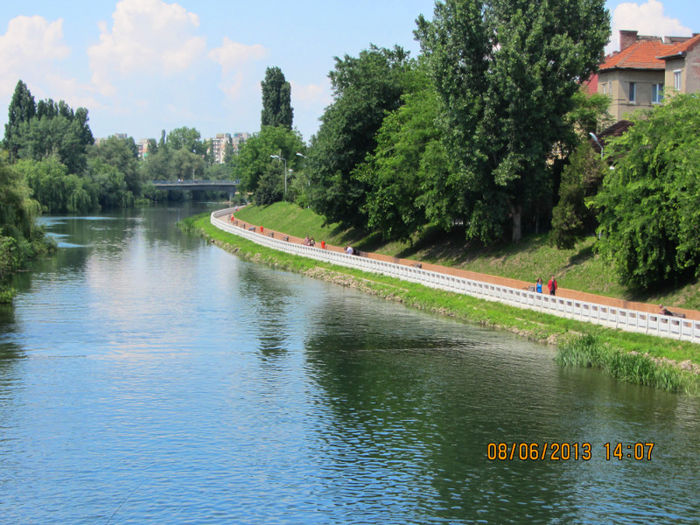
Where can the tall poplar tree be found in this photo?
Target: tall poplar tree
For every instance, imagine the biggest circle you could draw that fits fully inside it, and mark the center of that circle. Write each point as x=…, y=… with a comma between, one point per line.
x=276, y=99
x=506, y=71
x=22, y=109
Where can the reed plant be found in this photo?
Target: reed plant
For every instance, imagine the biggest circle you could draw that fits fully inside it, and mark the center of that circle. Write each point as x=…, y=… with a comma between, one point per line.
x=587, y=350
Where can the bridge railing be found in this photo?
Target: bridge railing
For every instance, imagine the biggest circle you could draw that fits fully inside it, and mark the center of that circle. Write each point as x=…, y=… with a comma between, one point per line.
x=196, y=182
x=611, y=316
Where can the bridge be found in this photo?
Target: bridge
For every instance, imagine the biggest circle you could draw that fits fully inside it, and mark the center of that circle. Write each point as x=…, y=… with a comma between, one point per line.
x=197, y=185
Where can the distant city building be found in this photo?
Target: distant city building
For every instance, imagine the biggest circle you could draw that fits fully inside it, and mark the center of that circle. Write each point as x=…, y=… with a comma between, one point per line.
x=123, y=136
x=219, y=143
x=218, y=147
x=238, y=139
x=142, y=145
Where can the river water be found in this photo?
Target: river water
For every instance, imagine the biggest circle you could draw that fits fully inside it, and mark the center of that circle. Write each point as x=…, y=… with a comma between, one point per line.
x=147, y=376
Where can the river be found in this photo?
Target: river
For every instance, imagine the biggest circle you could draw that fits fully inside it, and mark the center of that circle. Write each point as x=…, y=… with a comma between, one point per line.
x=147, y=376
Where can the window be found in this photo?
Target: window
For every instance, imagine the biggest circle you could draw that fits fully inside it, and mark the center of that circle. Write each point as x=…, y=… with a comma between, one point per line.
x=632, y=92
x=677, y=79
x=657, y=93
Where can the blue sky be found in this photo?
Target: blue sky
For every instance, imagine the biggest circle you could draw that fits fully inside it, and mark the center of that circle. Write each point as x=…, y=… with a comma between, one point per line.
x=140, y=66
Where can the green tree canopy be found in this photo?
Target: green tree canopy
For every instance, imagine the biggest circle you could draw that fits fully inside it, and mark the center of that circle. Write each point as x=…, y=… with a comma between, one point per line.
x=20, y=238
x=365, y=88
x=581, y=178
x=123, y=155
x=396, y=174
x=187, y=139
x=55, y=188
x=60, y=136
x=254, y=158
x=21, y=110
x=276, y=99
x=649, y=214
x=506, y=71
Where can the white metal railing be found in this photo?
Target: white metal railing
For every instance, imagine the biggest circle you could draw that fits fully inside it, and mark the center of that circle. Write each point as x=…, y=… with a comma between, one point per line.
x=612, y=316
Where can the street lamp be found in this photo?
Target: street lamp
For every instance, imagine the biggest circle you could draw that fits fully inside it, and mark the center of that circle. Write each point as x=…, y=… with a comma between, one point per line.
x=285, y=172
x=597, y=142
x=301, y=155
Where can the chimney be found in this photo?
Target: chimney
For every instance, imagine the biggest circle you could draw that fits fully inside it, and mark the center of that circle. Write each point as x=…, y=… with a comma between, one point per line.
x=627, y=38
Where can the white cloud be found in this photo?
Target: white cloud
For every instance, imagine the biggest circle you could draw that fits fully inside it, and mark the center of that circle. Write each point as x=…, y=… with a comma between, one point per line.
x=146, y=36
x=29, y=48
x=312, y=95
x=232, y=54
x=648, y=19
x=76, y=94
x=232, y=86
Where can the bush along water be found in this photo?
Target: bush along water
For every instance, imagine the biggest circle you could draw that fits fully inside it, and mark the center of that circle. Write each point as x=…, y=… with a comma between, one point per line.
x=588, y=351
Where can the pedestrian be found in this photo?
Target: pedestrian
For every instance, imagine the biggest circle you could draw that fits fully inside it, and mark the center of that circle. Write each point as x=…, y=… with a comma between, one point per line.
x=552, y=286
x=538, y=285
x=664, y=311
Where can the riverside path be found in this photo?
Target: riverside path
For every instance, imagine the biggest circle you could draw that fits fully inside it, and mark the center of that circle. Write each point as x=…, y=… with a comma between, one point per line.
x=607, y=311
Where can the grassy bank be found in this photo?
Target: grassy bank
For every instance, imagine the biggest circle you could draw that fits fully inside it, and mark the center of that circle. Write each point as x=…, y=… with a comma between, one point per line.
x=578, y=268
x=533, y=325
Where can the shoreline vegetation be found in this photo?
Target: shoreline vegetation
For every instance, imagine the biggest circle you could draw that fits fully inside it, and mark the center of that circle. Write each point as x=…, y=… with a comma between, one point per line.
x=635, y=358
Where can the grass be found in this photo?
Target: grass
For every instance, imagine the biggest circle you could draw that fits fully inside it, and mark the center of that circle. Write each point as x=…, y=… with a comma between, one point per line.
x=531, y=324
x=589, y=351
x=578, y=268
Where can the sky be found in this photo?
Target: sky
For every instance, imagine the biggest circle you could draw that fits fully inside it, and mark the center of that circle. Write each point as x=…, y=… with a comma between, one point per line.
x=141, y=66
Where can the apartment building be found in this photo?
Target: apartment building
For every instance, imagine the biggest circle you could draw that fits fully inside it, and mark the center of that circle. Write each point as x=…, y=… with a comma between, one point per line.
x=682, y=69
x=218, y=146
x=639, y=74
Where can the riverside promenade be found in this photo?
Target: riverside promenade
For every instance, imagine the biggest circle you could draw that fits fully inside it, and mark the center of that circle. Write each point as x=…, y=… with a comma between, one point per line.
x=615, y=313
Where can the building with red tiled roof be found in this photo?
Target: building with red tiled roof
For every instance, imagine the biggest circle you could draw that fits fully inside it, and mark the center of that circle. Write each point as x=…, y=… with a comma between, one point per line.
x=682, y=66
x=634, y=78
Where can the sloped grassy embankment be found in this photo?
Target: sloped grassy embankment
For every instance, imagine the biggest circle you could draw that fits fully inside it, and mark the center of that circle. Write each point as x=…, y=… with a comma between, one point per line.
x=636, y=358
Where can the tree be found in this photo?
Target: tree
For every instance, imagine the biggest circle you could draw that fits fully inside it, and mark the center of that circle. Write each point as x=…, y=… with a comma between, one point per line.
x=123, y=155
x=52, y=128
x=56, y=189
x=506, y=71
x=270, y=186
x=188, y=139
x=648, y=206
x=276, y=99
x=20, y=238
x=22, y=109
x=253, y=159
x=113, y=189
x=581, y=178
x=41, y=138
x=395, y=173
x=365, y=88
x=185, y=165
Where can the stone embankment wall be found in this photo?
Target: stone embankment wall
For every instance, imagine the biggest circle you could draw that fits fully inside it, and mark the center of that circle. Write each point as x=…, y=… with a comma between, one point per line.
x=615, y=313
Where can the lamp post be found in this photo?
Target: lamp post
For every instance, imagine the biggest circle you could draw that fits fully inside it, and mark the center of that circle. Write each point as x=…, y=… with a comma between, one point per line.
x=597, y=142
x=285, y=172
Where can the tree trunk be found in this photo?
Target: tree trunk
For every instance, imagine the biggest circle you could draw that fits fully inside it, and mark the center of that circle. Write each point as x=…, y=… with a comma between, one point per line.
x=516, y=213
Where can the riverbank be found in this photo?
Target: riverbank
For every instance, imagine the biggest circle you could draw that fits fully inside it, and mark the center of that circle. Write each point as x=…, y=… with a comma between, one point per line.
x=578, y=268
x=674, y=365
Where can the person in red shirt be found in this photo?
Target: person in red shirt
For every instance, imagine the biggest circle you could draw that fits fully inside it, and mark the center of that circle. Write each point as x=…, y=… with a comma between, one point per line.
x=552, y=285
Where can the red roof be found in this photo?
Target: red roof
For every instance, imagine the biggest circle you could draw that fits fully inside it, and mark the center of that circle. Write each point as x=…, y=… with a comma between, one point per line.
x=640, y=55
x=680, y=48
x=591, y=85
